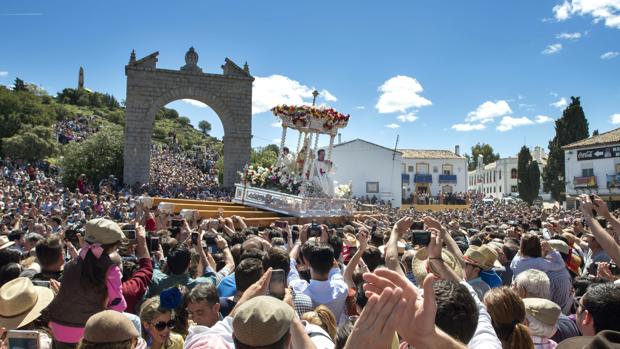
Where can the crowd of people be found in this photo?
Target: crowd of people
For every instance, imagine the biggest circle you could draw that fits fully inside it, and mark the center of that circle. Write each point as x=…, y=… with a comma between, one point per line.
x=105, y=271
x=76, y=129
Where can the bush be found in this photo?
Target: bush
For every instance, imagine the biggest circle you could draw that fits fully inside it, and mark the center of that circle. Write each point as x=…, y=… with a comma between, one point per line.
x=30, y=144
x=98, y=157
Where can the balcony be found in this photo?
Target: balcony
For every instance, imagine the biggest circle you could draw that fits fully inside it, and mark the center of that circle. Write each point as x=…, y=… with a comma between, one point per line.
x=585, y=182
x=423, y=178
x=405, y=178
x=443, y=178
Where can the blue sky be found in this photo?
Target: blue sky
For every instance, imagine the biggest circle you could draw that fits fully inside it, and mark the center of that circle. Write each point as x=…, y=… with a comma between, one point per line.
x=437, y=73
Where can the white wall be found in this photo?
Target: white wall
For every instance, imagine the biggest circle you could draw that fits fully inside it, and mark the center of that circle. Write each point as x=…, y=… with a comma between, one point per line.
x=459, y=168
x=359, y=162
x=601, y=167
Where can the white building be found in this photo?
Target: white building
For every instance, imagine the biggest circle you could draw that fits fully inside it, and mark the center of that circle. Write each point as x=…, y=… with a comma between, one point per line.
x=592, y=166
x=433, y=171
x=372, y=170
x=500, y=178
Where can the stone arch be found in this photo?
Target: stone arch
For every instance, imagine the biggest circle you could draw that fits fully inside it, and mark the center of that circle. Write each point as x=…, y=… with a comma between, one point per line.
x=149, y=88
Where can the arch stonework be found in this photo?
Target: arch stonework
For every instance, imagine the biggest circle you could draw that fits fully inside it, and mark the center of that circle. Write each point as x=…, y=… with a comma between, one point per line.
x=150, y=88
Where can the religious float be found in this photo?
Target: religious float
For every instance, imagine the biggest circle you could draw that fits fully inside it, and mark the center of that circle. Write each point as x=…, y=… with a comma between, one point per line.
x=300, y=184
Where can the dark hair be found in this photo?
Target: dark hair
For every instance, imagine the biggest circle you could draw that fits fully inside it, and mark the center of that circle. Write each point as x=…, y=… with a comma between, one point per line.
x=582, y=283
x=336, y=243
x=277, y=258
x=274, y=234
x=49, y=251
x=9, y=255
x=321, y=151
x=457, y=312
x=376, y=238
x=247, y=273
x=178, y=259
x=129, y=267
x=94, y=270
x=530, y=245
x=360, y=296
x=9, y=272
x=277, y=345
x=321, y=259
x=372, y=257
x=56, y=220
x=252, y=253
x=602, y=301
x=204, y=292
x=343, y=333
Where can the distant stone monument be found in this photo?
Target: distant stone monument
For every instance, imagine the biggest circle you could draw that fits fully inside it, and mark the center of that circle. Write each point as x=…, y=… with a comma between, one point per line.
x=150, y=88
x=81, y=79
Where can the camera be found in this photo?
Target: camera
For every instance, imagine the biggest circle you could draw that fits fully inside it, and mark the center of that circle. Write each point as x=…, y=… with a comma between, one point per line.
x=420, y=237
x=315, y=230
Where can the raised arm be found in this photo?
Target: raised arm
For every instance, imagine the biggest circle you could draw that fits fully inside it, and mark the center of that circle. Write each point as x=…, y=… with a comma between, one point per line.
x=607, y=242
x=362, y=238
x=391, y=249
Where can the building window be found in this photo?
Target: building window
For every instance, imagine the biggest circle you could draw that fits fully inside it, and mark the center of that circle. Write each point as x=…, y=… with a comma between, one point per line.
x=513, y=189
x=410, y=169
x=587, y=172
x=499, y=174
x=500, y=189
x=617, y=168
x=435, y=170
x=494, y=178
x=372, y=187
x=421, y=168
x=513, y=174
x=446, y=169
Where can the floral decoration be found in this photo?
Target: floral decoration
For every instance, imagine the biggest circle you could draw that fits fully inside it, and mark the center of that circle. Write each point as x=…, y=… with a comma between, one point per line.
x=300, y=115
x=271, y=178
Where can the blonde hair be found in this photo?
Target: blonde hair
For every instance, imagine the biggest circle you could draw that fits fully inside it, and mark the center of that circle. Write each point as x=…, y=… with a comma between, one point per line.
x=508, y=314
x=323, y=317
x=151, y=308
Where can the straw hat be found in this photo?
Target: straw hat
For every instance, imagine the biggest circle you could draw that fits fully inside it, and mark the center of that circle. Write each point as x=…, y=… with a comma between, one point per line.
x=418, y=264
x=350, y=240
x=21, y=302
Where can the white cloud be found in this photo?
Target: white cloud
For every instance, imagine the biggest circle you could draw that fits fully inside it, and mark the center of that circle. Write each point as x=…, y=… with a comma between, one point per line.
x=551, y=49
x=327, y=96
x=4, y=73
x=569, y=36
x=278, y=89
x=553, y=94
x=409, y=117
x=488, y=111
x=607, y=11
x=561, y=103
x=508, y=123
x=400, y=93
x=541, y=119
x=466, y=127
x=277, y=124
x=614, y=119
x=276, y=141
x=392, y=125
x=360, y=107
x=610, y=55
x=195, y=103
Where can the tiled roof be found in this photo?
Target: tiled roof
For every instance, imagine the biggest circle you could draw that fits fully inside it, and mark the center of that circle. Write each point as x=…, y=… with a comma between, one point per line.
x=429, y=154
x=608, y=137
x=367, y=142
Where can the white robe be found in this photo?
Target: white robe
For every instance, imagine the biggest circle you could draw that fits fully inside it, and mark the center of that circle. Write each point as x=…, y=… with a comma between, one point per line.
x=321, y=177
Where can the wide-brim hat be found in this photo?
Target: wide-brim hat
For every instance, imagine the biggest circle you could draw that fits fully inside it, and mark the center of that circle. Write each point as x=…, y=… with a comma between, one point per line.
x=4, y=242
x=400, y=245
x=350, y=240
x=418, y=264
x=21, y=302
x=606, y=339
x=490, y=256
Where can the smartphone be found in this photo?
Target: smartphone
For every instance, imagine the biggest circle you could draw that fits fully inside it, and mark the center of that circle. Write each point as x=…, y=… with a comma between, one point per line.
x=194, y=238
x=154, y=243
x=614, y=269
x=420, y=237
x=130, y=234
x=23, y=339
x=417, y=225
x=42, y=283
x=277, y=284
x=314, y=231
x=176, y=223
x=281, y=224
x=129, y=227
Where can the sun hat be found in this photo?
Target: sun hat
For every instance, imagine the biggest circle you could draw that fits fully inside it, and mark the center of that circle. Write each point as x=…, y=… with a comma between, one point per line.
x=109, y=326
x=559, y=246
x=4, y=242
x=603, y=340
x=103, y=231
x=418, y=264
x=542, y=310
x=21, y=302
x=350, y=240
x=262, y=321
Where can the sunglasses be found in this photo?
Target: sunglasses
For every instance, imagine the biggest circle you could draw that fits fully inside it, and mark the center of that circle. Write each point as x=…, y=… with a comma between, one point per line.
x=160, y=326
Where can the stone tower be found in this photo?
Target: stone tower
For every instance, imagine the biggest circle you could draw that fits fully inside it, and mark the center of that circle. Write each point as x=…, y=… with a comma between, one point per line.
x=81, y=79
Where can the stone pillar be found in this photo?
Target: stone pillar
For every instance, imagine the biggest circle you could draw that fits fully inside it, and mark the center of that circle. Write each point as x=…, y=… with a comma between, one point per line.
x=237, y=149
x=137, y=149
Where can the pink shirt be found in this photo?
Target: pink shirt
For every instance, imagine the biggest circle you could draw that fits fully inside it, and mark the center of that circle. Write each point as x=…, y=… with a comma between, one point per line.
x=68, y=334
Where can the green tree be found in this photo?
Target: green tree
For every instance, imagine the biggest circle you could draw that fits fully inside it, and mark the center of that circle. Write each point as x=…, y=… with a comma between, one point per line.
x=265, y=156
x=528, y=176
x=204, y=126
x=570, y=128
x=595, y=133
x=488, y=156
x=98, y=156
x=19, y=85
x=30, y=144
